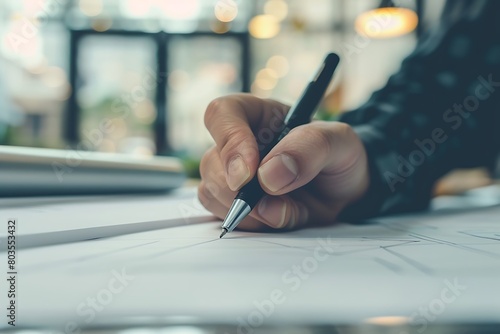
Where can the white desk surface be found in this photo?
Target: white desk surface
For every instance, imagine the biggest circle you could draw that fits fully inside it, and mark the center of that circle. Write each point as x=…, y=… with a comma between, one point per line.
x=426, y=268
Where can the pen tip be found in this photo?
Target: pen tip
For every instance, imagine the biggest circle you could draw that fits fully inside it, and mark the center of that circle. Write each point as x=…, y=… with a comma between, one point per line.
x=224, y=231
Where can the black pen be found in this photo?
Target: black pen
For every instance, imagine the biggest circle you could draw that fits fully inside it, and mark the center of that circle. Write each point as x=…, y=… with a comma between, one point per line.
x=299, y=114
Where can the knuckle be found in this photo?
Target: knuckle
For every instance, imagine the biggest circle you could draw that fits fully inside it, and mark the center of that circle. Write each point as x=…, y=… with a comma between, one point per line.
x=330, y=134
x=320, y=136
x=230, y=136
x=250, y=152
x=235, y=139
x=213, y=109
x=344, y=130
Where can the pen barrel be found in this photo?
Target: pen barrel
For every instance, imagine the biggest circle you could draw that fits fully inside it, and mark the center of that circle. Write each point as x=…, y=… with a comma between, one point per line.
x=264, y=149
x=251, y=192
x=299, y=114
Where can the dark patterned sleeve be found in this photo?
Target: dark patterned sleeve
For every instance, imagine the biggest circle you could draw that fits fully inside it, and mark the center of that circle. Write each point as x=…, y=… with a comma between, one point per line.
x=439, y=112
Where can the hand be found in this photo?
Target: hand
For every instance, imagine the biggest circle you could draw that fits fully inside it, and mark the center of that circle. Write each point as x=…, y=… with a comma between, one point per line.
x=310, y=175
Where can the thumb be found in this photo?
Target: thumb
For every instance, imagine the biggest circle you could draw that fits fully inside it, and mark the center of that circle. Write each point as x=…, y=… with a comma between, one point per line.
x=327, y=148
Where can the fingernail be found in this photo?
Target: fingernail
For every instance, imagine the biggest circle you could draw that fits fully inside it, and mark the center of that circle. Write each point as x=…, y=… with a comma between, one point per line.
x=273, y=210
x=278, y=172
x=237, y=172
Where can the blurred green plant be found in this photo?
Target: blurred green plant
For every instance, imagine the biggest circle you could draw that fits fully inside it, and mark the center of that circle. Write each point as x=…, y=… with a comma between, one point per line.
x=192, y=167
x=325, y=114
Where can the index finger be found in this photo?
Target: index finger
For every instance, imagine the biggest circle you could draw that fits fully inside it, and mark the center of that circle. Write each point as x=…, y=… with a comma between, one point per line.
x=232, y=121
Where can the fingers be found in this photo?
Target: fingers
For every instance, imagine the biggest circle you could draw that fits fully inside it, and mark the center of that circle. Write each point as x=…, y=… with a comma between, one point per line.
x=271, y=212
x=212, y=203
x=318, y=148
x=232, y=121
x=282, y=212
x=229, y=124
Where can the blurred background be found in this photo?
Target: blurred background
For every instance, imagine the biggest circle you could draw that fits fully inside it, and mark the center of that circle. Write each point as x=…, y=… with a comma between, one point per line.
x=135, y=76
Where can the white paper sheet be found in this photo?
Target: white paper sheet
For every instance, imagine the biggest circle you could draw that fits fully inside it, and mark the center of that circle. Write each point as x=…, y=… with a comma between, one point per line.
x=434, y=267
x=53, y=220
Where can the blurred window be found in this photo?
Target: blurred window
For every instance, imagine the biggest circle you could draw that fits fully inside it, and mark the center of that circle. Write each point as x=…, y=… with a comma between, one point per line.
x=212, y=48
x=202, y=69
x=116, y=89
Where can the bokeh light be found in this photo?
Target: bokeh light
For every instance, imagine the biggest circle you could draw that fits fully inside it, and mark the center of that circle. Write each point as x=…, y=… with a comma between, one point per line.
x=264, y=26
x=266, y=79
x=259, y=91
x=135, y=8
x=179, y=10
x=178, y=80
x=38, y=67
x=386, y=22
x=33, y=8
x=279, y=64
x=226, y=10
x=276, y=8
x=91, y=7
x=54, y=77
x=219, y=27
x=145, y=111
x=102, y=24
x=388, y=321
